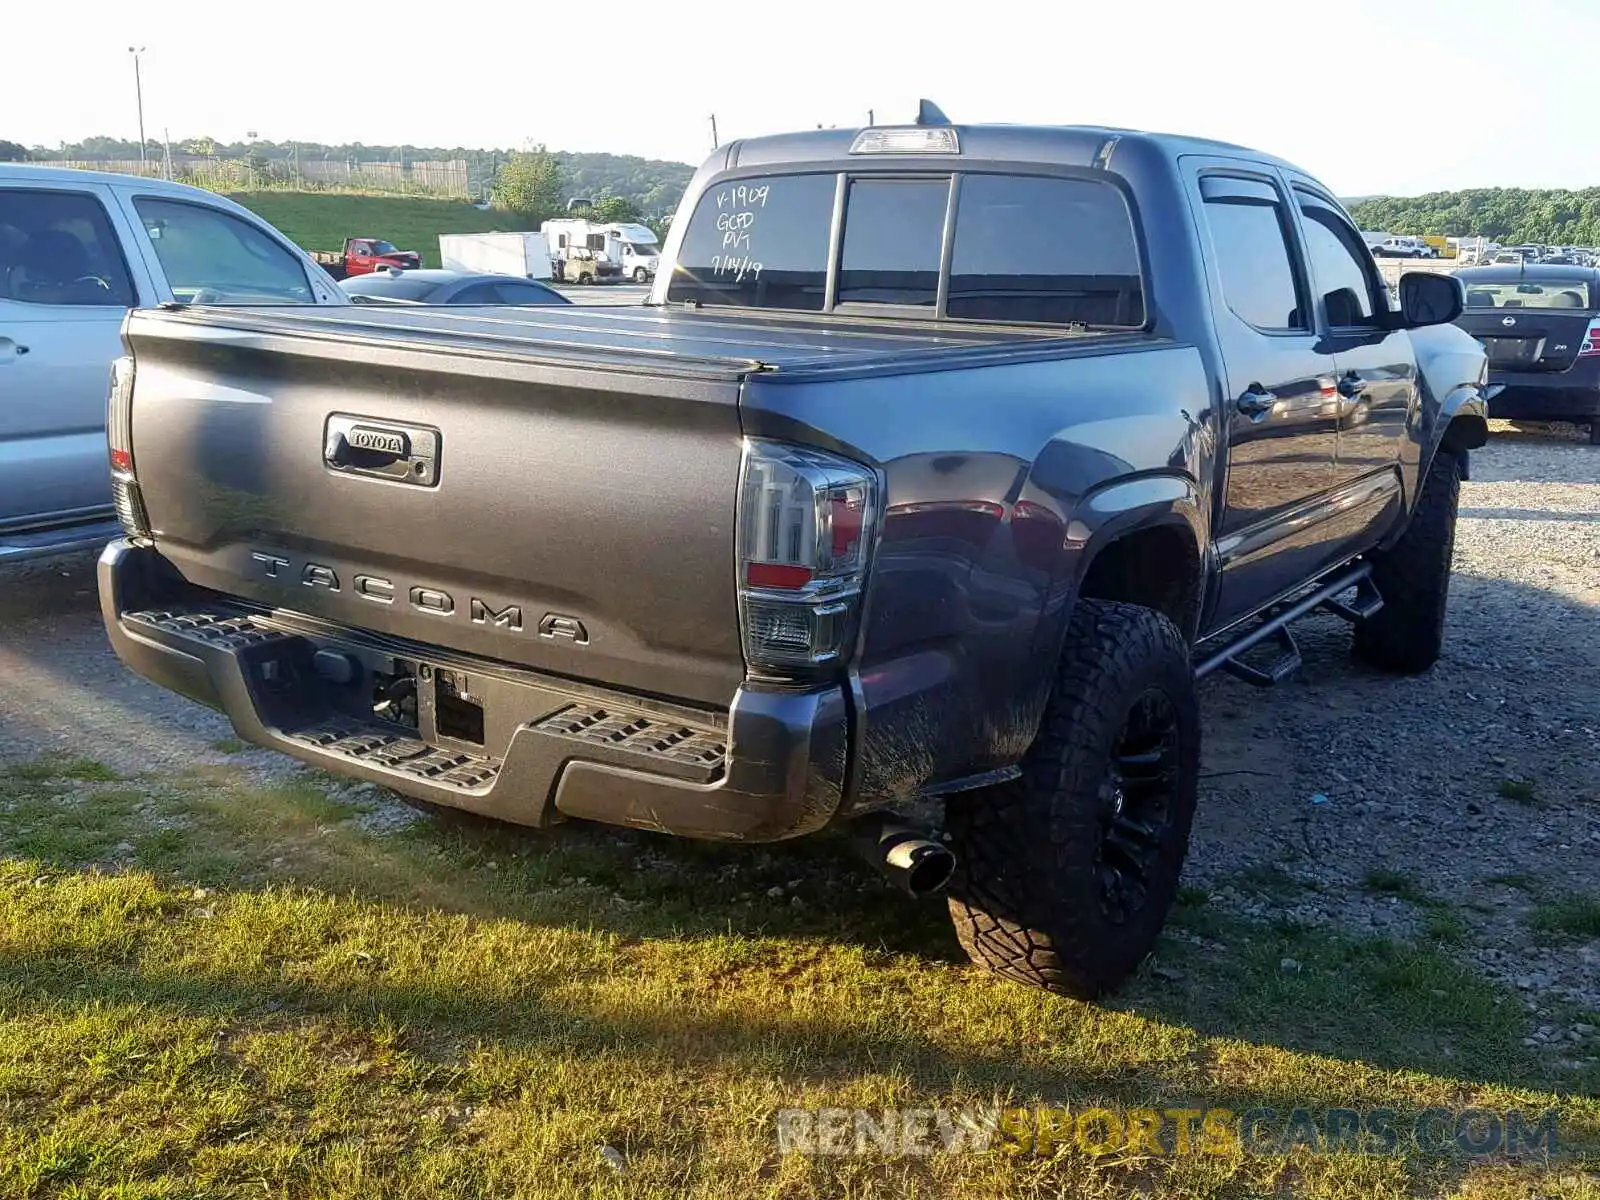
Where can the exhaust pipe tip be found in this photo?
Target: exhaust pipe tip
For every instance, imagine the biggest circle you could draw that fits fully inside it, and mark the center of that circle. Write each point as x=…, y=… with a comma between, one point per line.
x=909, y=858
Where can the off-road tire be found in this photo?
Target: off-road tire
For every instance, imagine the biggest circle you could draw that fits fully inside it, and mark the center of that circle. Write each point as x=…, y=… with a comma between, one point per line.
x=1026, y=898
x=1406, y=635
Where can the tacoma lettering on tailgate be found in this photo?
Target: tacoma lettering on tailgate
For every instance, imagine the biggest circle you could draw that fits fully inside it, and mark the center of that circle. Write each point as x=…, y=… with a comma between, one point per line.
x=432, y=600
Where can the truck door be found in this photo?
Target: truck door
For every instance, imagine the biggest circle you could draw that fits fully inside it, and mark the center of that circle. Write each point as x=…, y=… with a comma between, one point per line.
x=1279, y=411
x=64, y=287
x=1377, y=375
x=358, y=258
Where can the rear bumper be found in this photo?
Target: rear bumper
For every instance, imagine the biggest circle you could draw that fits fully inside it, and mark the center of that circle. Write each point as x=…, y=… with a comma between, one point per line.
x=1525, y=402
x=772, y=767
x=1573, y=394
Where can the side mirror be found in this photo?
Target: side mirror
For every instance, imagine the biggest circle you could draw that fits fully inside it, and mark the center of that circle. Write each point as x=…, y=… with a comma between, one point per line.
x=1429, y=299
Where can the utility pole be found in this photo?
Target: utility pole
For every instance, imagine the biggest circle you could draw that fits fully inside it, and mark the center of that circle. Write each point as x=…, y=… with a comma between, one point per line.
x=869, y=117
x=714, y=142
x=166, y=141
x=138, y=93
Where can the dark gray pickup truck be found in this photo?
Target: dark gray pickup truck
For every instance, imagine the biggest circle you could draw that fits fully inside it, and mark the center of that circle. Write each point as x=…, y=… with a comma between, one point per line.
x=942, y=462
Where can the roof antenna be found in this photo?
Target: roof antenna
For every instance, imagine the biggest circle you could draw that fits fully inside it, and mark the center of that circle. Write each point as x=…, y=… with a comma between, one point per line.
x=929, y=113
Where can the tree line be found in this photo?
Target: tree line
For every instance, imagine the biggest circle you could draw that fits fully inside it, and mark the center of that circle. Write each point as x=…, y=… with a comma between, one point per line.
x=1505, y=215
x=652, y=186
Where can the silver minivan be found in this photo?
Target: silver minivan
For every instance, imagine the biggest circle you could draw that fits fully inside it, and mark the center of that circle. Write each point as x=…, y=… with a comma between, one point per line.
x=77, y=250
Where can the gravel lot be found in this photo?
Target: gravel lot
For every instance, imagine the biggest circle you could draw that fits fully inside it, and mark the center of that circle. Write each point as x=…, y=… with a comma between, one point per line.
x=1340, y=797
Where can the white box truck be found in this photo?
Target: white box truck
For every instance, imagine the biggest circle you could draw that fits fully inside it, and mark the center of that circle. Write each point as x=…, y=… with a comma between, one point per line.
x=526, y=255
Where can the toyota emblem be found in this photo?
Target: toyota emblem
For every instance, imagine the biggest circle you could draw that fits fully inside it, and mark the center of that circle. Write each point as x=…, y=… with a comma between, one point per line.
x=1509, y=322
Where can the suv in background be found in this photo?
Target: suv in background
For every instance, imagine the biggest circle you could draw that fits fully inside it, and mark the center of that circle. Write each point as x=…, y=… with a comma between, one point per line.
x=1404, y=247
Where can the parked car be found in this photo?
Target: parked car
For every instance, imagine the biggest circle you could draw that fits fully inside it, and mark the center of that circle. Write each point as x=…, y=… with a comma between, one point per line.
x=448, y=287
x=998, y=481
x=363, y=255
x=77, y=249
x=1540, y=326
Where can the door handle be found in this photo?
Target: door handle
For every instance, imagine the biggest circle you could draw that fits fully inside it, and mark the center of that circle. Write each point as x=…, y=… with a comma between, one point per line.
x=1351, y=385
x=1256, y=401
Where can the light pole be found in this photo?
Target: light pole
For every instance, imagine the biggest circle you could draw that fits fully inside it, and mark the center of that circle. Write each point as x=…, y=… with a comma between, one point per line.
x=138, y=92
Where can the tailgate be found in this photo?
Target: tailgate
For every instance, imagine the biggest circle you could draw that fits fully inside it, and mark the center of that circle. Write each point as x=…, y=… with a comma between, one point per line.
x=568, y=512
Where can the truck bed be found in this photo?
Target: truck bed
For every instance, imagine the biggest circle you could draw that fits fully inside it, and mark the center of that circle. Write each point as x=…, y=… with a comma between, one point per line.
x=577, y=513
x=714, y=344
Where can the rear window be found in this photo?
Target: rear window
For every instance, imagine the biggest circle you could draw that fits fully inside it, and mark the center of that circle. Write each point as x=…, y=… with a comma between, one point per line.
x=893, y=241
x=406, y=287
x=1029, y=249
x=1547, y=293
x=1042, y=250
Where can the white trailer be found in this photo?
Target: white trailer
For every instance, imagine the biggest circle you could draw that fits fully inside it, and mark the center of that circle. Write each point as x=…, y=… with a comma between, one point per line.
x=526, y=255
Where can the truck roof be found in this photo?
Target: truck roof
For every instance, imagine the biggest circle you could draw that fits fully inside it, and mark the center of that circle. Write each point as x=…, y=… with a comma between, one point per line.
x=1070, y=145
x=76, y=175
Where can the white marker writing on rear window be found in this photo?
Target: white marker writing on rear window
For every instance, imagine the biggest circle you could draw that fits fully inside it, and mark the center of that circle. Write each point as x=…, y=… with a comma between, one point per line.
x=742, y=195
x=737, y=207
x=737, y=265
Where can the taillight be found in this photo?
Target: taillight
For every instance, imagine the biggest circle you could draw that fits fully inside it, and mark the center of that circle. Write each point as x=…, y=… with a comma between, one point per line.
x=1591, y=340
x=125, y=495
x=806, y=525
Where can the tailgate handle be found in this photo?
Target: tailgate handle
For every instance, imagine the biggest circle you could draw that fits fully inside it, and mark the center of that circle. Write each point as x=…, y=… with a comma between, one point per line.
x=382, y=449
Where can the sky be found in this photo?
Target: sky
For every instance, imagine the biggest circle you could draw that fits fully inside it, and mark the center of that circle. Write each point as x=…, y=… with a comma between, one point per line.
x=1391, y=97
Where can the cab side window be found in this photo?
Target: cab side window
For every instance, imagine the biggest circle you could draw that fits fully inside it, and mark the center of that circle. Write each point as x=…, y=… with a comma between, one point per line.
x=1339, y=264
x=58, y=248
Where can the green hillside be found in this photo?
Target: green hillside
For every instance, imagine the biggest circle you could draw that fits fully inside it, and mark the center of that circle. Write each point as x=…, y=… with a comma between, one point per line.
x=322, y=220
x=1510, y=215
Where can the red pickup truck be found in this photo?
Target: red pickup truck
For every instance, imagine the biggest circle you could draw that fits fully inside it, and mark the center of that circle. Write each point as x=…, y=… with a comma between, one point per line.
x=364, y=255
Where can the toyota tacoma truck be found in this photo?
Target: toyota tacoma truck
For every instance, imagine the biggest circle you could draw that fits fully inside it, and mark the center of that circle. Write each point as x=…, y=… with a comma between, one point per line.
x=940, y=465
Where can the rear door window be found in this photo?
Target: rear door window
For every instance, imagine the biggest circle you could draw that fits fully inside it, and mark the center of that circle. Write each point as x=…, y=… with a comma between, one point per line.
x=59, y=248
x=1052, y=251
x=1251, y=238
x=760, y=243
x=213, y=257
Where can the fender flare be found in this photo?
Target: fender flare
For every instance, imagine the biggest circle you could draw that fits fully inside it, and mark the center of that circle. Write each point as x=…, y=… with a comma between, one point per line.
x=1460, y=423
x=1122, y=507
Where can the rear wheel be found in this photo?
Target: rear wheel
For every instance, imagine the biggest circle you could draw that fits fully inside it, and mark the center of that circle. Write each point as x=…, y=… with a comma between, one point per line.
x=1065, y=875
x=1406, y=635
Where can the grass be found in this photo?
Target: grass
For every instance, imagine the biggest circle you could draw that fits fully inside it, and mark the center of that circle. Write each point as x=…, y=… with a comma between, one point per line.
x=1521, y=791
x=1569, y=917
x=1441, y=922
x=213, y=988
x=1384, y=882
x=323, y=220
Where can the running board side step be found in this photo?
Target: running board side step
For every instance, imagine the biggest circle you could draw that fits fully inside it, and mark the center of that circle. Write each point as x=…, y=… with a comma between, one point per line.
x=1275, y=625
